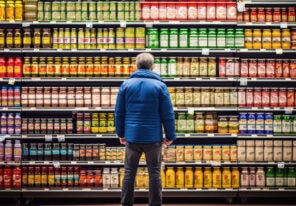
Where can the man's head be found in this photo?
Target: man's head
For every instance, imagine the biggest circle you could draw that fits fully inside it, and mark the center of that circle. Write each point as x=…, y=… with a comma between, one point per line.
x=145, y=61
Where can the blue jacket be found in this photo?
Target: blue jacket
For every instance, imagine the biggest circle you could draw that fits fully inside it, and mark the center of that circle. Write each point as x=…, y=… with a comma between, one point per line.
x=143, y=105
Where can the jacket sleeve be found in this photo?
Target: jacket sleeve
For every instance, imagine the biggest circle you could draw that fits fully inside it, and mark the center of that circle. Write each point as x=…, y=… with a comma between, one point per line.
x=120, y=112
x=167, y=114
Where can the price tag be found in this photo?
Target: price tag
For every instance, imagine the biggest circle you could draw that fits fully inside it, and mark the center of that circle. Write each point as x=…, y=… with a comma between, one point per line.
x=241, y=7
x=243, y=81
x=11, y=81
x=187, y=135
x=86, y=189
x=99, y=135
x=244, y=50
x=281, y=189
x=123, y=24
x=288, y=110
x=269, y=135
x=90, y=162
x=148, y=50
x=61, y=138
x=46, y=162
x=25, y=24
x=205, y=51
x=48, y=138
x=73, y=162
x=6, y=50
x=254, y=135
x=190, y=110
x=65, y=189
x=263, y=50
x=281, y=165
x=227, y=50
x=59, y=50
x=102, y=50
x=268, y=23
x=89, y=25
x=35, y=22
x=174, y=22
x=68, y=22
x=279, y=51
x=142, y=189
x=198, y=79
x=284, y=25
x=36, y=50
x=213, y=78
x=183, y=189
x=211, y=134
x=234, y=135
x=130, y=50
x=164, y=50
x=46, y=189
x=254, y=108
x=56, y=164
x=149, y=25
x=215, y=163
x=74, y=50
x=52, y=22
x=5, y=108
x=177, y=78
x=2, y=138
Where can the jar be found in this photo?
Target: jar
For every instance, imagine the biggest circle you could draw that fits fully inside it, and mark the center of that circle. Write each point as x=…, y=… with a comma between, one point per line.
x=199, y=123
x=233, y=125
x=170, y=178
x=286, y=39
x=235, y=177
x=260, y=177
x=188, y=97
x=276, y=39
x=205, y=97
x=266, y=39
x=209, y=123
x=196, y=97
x=223, y=124
x=198, y=177
x=46, y=38
x=27, y=38
x=276, y=14
x=248, y=39
x=207, y=178
x=180, y=97
x=261, y=15
x=268, y=14
x=226, y=178
x=179, y=177
x=257, y=39
x=188, y=177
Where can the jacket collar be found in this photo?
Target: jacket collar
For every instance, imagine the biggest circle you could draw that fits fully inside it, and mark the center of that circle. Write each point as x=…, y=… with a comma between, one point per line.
x=145, y=73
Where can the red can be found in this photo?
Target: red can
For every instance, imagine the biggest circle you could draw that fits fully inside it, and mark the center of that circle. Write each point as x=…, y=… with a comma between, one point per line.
x=284, y=15
x=274, y=97
x=257, y=97
x=293, y=68
x=286, y=68
x=268, y=14
x=82, y=178
x=18, y=67
x=171, y=11
x=1, y=177
x=10, y=67
x=90, y=178
x=222, y=67
x=2, y=67
x=282, y=97
x=7, y=178
x=276, y=14
x=247, y=15
x=17, y=178
x=253, y=15
x=211, y=11
x=231, y=11
x=291, y=14
x=154, y=11
x=241, y=97
x=201, y=11
x=249, y=97
x=270, y=68
x=261, y=14
x=290, y=97
x=244, y=68
x=253, y=68
x=278, y=68
x=145, y=11
x=261, y=67
x=265, y=97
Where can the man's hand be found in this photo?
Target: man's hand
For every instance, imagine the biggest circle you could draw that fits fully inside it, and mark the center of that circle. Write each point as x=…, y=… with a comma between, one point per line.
x=122, y=140
x=168, y=142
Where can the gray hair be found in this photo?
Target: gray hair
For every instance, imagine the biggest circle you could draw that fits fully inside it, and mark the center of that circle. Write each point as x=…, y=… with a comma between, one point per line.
x=144, y=61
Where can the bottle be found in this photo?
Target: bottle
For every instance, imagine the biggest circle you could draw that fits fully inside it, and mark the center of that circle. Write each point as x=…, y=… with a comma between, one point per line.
x=230, y=42
x=188, y=177
x=270, y=177
x=212, y=38
x=183, y=38
x=257, y=39
x=235, y=178
x=266, y=39
x=193, y=38
x=164, y=38
x=221, y=39
x=8, y=151
x=180, y=177
x=279, y=177
x=202, y=38
x=239, y=40
x=291, y=177
x=170, y=178
x=17, y=151
x=260, y=177
x=173, y=38
x=198, y=177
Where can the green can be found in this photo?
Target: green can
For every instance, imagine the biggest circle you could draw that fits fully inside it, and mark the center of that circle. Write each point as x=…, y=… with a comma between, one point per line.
x=277, y=124
x=56, y=11
x=172, y=67
x=164, y=67
x=230, y=38
x=270, y=177
x=164, y=38
x=183, y=38
x=153, y=38
x=202, y=38
x=173, y=38
x=157, y=65
x=291, y=182
x=221, y=41
x=239, y=40
x=279, y=177
x=212, y=38
x=286, y=124
x=190, y=123
x=193, y=38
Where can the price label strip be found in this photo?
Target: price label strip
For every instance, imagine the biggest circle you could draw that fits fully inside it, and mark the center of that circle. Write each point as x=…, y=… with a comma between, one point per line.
x=48, y=138
x=61, y=138
x=241, y=7
x=56, y=164
x=205, y=51
x=243, y=81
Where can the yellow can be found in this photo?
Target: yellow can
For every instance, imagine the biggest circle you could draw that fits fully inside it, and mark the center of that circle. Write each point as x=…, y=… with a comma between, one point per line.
x=2, y=10
x=18, y=10
x=140, y=37
x=226, y=178
x=170, y=178
x=276, y=39
x=257, y=39
x=235, y=176
x=9, y=10
x=217, y=153
x=188, y=177
x=188, y=153
x=216, y=177
x=207, y=152
x=286, y=39
x=198, y=177
x=197, y=153
x=180, y=177
x=179, y=153
x=119, y=38
x=266, y=39
x=248, y=39
x=207, y=177
x=130, y=38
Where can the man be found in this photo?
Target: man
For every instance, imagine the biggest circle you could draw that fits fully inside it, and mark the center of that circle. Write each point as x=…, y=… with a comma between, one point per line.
x=143, y=106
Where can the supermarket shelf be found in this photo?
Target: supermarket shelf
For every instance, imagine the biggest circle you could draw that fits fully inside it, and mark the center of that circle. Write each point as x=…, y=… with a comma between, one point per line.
x=10, y=163
x=266, y=109
x=267, y=51
x=68, y=136
x=10, y=193
x=204, y=109
x=10, y=109
x=10, y=51
x=265, y=163
x=270, y=79
x=264, y=192
x=9, y=136
x=271, y=2
x=265, y=24
x=91, y=192
x=57, y=163
x=203, y=163
x=66, y=109
x=265, y=136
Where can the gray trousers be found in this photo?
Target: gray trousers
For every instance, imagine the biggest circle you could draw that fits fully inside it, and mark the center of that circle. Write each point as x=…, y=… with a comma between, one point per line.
x=153, y=158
